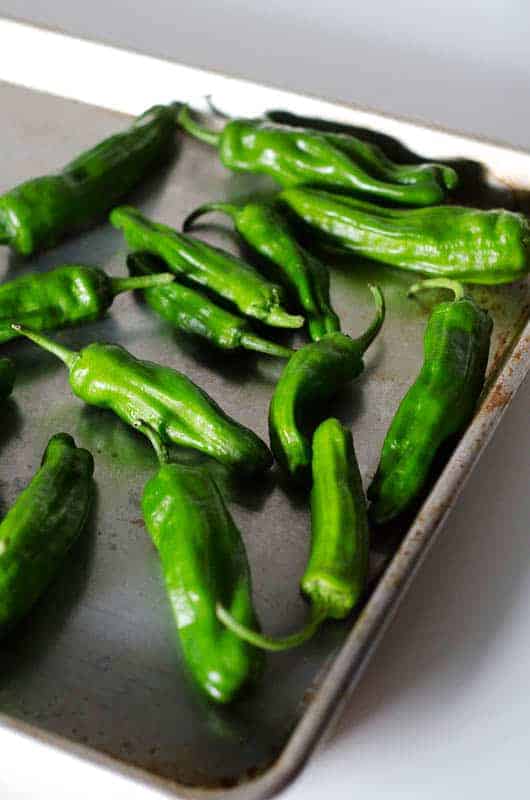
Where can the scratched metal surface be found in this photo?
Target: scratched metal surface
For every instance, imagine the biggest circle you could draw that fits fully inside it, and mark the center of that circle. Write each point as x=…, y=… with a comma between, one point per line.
x=97, y=662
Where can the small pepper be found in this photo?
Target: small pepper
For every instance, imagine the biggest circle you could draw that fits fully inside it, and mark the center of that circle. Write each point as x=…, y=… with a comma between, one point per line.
x=64, y=296
x=296, y=156
x=310, y=378
x=438, y=405
x=42, y=525
x=304, y=276
x=476, y=246
x=204, y=563
x=337, y=571
x=193, y=312
x=40, y=212
x=215, y=269
x=7, y=377
x=176, y=409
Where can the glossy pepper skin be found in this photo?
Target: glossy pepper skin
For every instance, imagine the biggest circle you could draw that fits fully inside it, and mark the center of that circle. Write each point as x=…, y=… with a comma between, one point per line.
x=63, y=296
x=162, y=399
x=193, y=312
x=42, y=525
x=266, y=231
x=310, y=378
x=469, y=244
x=39, y=213
x=215, y=269
x=7, y=377
x=204, y=562
x=337, y=570
x=296, y=156
x=439, y=404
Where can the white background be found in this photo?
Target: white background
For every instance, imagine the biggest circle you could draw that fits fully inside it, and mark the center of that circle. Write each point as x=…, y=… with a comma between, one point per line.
x=444, y=707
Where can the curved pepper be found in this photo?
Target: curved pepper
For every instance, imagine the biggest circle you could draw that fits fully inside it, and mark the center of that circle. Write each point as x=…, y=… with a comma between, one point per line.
x=64, y=296
x=193, y=312
x=217, y=270
x=307, y=279
x=42, y=525
x=337, y=571
x=7, y=377
x=476, y=246
x=294, y=156
x=40, y=212
x=204, y=562
x=310, y=378
x=439, y=404
x=166, y=401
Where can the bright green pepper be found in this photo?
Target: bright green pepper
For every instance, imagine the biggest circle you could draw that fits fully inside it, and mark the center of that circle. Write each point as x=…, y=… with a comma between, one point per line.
x=294, y=157
x=40, y=212
x=7, y=377
x=64, y=296
x=310, y=378
x=306, y=278
x=476, y=246
x=215, y=269
x=160, y=398
x=337, y=571
x=42, y=525
x=439, y=404
x=193, y=312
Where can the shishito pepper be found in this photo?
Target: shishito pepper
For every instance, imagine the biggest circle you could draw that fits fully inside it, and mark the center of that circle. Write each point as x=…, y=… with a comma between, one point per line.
x=215, y=269
x=164, y=400
x=64, y=296
x=469, y=244
x=42, y=525
x=204, y=563
x=310, y=378
x=193, y=312
x=40, y=212
x=296, y=156
x=337, y=570
x=438, y=405
x=7, y=377
x=264, y=229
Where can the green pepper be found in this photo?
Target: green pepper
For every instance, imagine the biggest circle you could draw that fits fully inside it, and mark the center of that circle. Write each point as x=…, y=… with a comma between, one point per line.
x=439, y=404
x=303, y=275
x=40, y=212
x=193, y=312
x=215, y=269
x=470, y=244
x=176, y=409
x=204, y=563
x=7, y=377
x=42, y=525
x=295, y=156
x=64, y=296
x=310, y=378
x=337, y=571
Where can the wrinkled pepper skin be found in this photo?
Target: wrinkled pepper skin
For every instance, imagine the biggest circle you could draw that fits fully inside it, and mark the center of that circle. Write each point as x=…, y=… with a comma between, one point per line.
x=193, y=312
x=310, y=378
x=306, y=278
x=215, y=269
x=468, y=244
x=42, y=525
x=438, y=406
x=40, y=212
x=164, y=400
x=63, y=296
x=295, y=156
x=7, y=377
x=204, y=562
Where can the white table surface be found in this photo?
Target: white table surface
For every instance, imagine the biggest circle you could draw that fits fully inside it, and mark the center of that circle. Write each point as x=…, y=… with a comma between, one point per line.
x=444, y=707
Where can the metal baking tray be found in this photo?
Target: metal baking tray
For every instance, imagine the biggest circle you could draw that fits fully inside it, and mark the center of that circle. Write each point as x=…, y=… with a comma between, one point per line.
x=96, y=669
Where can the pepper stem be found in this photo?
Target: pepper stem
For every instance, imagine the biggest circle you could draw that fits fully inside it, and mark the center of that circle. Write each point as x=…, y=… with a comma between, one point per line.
x=438, y=283
x=194, y=129
x=119, y=285
x=267, y=642
x=278, y=318
x=223, y=208
x=366, y=339
x=69, y=357
x=253, y=342
x=159, y=447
